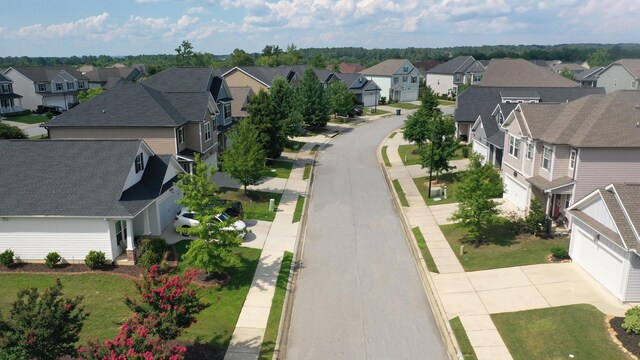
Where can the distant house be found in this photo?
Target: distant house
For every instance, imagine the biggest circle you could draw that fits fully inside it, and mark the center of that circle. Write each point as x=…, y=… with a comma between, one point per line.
x=398, y=79
x=605, y=239
x=74, y=196
x=522, y=73
x=367, y=92
x=426, y=65
x=347, y=68
x=106, y=78
x=257, y=77
x=623, y=74
x=561, y=152
x=47, y=86
x=589, y=77
x=10, y=102
x=572, y=68
x=176, y=112
x=445, y=78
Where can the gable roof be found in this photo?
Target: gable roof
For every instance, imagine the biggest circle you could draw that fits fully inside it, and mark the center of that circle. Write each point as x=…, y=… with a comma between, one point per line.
x=265, y=74
x=47, y=73
x=456, y=65
x=181, y=80
x=573, y=67
x=632, y=65
x=4, y=78
x=385, y=68
x=609, y=120
x=357, y=83
x=589, y=74
x=426, y=65
x=348, y=68
x=104, y=75
x=239, y=103
x=522, y=73
x=81, y=178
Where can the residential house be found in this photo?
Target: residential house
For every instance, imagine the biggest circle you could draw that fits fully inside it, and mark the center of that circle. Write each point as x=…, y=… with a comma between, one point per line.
x=106, y=78
x=561, y=152
x=47, y=86
x=445, y=78
x=605, y=238
x=347, y=68
x=589, y=77
x=75, y=196
x=257, y=77
x=398, y=79
x=573, y=68
x=623, y=74
x=10, y=102
x=174, y=111
x=522, y=73
x=481, y=110
x=241, y=98
x=367, y=92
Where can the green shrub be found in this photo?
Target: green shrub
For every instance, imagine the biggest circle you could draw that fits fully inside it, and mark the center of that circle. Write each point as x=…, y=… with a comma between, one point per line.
x=465, y=151
x=536, y=219
x=152, y=252
x=95, y=259
x=559, y=252
x=52, y=259
x=631, y=321
x=383, y=100
x=6, y=258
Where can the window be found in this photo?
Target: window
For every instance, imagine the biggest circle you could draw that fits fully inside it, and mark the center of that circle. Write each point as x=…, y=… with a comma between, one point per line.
x=42, y=87
x=405, y=78
x=71, y=86
x=567, y=201
x=59, y=86
x=546, y=158
x=121, y=232
x=572, y=159
x=180, y=135
x=514, y=146
x=530, y=151
x=227, y=110
x=139, y=163
x=395, y=79
x=414, y=79
x=615, y=82
x=6, y=88
x=207, y=131
x=405, y=69
x=80, y=84
x=458, y=77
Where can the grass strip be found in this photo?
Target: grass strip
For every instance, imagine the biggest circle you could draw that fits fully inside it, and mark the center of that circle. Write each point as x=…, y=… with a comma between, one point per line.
x=426, y=254
x=307, y=171
x=400, y=192
x=314, y=148
x=297, y=214
x=463, y=340
x=392, y=134
x=385, y=158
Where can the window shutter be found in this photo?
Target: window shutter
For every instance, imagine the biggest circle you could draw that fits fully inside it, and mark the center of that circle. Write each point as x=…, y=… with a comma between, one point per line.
x=141, y=161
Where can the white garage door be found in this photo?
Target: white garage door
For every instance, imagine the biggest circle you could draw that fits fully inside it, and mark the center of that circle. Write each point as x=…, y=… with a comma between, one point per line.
x=596, y=258
x=515, y=192
x=168, y=207
x=56, y=103
x=482, y=149
x=369, y=99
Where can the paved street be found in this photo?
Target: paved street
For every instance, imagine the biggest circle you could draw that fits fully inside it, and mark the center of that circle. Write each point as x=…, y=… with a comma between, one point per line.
x=359, y=295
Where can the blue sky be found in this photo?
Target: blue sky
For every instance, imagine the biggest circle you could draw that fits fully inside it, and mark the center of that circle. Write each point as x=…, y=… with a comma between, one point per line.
x=122, y=27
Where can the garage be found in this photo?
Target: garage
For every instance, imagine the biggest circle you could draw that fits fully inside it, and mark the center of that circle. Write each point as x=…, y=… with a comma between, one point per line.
x=168, y=206
x=515, y=192
x=481, y=149
x=599, y=257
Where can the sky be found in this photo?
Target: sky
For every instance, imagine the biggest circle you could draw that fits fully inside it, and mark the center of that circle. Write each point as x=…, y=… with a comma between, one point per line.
x=132, y=27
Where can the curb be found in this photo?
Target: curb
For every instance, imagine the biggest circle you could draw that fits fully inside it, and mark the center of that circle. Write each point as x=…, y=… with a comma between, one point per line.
x=449, y=339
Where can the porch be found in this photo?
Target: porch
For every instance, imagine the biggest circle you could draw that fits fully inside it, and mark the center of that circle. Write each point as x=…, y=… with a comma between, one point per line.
x=555, y=196
x=10, y=105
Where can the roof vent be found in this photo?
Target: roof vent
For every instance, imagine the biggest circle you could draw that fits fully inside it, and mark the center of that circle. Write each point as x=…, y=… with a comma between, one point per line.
x=103, y=111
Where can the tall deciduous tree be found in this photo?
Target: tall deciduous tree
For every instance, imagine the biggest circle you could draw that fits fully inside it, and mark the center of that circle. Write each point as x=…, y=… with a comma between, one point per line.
x=442, y=145
x=476, y=209
x=312, y=102
x=211, y=249
x=599, y=58
x=283, y=99
x=417, y=126
x=240, y=58
x=265, y=118
x=89, y=94
x=341, y=99
x=245, y=159
x=566, y=73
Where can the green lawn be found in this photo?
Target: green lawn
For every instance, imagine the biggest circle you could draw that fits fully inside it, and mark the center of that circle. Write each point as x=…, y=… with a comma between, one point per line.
x=314, y=148
x=297, y=214
x=400, y=192
x=406, y=106
x=426, y=255
x=500, y=248
x=29, y=119
x=385, y=157
x=409, y=154
x=449, y=179
x=446, y=102
x=255, y=203
x=307, y=171
x=557, y=333
x=378, y=111
x=273, y=324
x=392, y=134
x=294, y=146
x=463, y=340
x=279, y=168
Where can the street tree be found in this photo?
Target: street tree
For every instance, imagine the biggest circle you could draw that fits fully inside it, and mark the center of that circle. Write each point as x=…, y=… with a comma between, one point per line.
x=282, y=96
x=265, y=118
x=245, y=159
x=436, y=154
x=416, y=127
x=89, y=94
x=342, y=100
x=211, y=249
x=477, y=211
x=312, y=102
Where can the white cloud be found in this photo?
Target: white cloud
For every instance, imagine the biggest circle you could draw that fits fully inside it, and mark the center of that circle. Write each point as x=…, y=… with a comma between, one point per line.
x=197, y=10
x=183, y=23
x=148, y=1
x=82, y=27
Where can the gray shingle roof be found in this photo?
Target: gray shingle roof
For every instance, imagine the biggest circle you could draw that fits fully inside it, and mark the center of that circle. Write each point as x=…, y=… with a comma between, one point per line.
x=522, y=73
x=612, y=200
x=238, y=105
x=181, y=80
x=456, y=65
x=629, y=195
x=4, y=79
x=47, y=73
x=589, y=74
x=633, y=65
x=107, y=74
x=266, y=74
x=545, y=185
x=385, y=68
x=74, y=178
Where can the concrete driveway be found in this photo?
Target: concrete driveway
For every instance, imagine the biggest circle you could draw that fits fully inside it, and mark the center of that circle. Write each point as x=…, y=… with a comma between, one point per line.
x=523, y=288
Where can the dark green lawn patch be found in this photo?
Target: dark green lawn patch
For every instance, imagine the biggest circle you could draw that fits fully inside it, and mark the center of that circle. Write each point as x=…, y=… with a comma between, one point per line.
x=463, y=340
x=446, y=102
x=556, y=333
x=279, y=168
x=255, y=203
x=378, y=111
x=385, y=157
x=29, y=119
x=392, y=134
x=271, y=333
x=406, y=106
x=314, y=148
x=500, y=248
x=409, y=154
x=307, y=171
x=294, y=146
x=448, y=179
x=400, y=192
x=297, y=214
x=422, y=244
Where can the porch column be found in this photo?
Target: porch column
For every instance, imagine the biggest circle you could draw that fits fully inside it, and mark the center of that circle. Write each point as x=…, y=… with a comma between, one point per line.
x=131, y=249
x=147, y=226
x=548, y=206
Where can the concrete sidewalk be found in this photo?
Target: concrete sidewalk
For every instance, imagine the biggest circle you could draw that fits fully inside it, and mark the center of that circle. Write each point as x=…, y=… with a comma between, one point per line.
x=473, y=296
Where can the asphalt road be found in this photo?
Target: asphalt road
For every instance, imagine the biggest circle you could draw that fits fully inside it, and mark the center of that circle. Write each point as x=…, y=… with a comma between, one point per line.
x=359, y=295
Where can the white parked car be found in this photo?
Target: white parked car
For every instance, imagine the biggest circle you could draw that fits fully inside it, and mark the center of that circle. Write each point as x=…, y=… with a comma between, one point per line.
x=186, y=219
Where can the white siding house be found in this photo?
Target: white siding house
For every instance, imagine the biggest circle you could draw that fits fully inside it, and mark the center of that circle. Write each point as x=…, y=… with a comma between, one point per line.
x=398, y=79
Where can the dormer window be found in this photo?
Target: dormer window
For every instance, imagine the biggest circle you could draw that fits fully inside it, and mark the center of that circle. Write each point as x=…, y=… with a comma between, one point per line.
x=42, y=87
x=139, y=163
x=405, y=69
x=59, y=86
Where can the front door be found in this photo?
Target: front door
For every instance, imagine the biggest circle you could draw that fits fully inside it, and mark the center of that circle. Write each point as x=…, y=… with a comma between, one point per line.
x=557, y=205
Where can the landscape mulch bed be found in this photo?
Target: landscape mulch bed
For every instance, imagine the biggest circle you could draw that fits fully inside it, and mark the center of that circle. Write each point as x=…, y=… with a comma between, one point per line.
x=628, y=340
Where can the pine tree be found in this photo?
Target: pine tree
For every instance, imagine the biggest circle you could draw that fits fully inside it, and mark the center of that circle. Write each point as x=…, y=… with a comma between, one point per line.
x=312, y=102
x=245, y=160
x=341, y=99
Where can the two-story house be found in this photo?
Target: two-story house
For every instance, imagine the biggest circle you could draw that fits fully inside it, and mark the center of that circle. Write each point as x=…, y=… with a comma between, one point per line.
x=445, y=78
x=75, y=196
x=561, y=152
x=623, y=74
x=398, y=79
x=47, y=86
x=107, y=78
x=10, y=102
x=175, y=115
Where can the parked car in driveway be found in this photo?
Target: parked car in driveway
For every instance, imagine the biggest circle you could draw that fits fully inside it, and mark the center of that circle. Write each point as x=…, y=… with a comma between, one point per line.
x=186, y=219
x=233, y=208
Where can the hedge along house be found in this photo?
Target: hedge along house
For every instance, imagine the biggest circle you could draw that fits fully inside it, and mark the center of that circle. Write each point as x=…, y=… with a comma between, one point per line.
x=74, y=196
